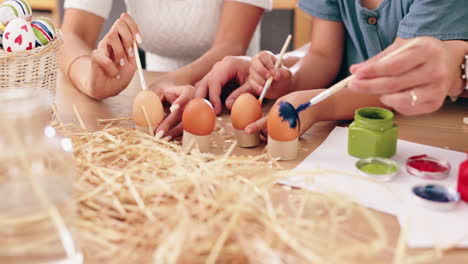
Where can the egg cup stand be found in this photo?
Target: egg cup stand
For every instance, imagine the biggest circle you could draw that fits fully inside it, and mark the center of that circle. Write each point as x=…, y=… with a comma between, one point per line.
x=145, y=130
x=283, y=150
x=191, y=141
x=245, y=140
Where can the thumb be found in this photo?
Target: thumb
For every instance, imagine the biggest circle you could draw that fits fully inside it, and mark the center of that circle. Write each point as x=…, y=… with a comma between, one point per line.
x=245, y=88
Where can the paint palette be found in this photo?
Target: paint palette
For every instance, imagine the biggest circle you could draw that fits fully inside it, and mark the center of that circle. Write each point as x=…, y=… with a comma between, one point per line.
x=436, y=197
x=426, y=167
x=381, y=169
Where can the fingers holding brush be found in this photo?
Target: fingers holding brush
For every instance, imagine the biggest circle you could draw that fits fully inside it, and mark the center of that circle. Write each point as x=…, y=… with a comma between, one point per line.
x=117, y=43
x=263, y=72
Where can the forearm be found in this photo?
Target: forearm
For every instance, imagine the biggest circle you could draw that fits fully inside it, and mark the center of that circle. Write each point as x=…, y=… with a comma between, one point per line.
x=320, y=67
x=291, y=58
x=73, y=58
x=194, y=72
x=314, y=71
x=341, y=106
x=78, y=41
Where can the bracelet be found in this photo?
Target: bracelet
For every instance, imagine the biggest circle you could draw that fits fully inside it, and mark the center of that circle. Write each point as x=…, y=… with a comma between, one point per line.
x=75, y=60
x=464, y=68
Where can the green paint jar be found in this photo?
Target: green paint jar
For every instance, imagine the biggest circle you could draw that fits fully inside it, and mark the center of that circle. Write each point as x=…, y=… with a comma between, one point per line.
x=372, y=134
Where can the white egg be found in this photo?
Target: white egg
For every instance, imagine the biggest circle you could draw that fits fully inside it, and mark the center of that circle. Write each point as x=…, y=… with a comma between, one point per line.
x=6, y=15
x=18, y=36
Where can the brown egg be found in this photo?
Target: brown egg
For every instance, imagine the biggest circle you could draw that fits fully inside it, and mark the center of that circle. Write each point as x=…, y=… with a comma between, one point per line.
x=278, y=129
x=245, y=110
x=199, y=117
x=153, y=107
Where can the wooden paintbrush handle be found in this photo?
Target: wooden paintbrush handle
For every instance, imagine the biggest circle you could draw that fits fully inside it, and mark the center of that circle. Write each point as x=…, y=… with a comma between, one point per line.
x=277, y=64
x=344, y=83
x=140, y=69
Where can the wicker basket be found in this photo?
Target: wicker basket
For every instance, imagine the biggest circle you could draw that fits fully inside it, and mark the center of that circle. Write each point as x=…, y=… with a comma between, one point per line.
x=36, y=68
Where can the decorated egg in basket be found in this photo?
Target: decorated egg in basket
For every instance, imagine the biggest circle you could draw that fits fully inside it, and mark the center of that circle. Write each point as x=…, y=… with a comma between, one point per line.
x=18, y=36
x=12, y=9
x=43, y=30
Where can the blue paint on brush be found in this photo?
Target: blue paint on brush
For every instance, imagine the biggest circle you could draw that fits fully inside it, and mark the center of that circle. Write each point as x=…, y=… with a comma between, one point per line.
x=302, y=107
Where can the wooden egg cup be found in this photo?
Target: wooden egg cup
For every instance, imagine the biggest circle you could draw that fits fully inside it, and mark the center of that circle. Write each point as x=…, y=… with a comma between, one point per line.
x=245, y=140
x=145, y=130
x=283, y=150
x=191, y=141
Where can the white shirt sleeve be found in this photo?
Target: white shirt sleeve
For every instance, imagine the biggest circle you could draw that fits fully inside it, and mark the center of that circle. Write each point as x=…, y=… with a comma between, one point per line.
x=100, y=8
x=265, y=4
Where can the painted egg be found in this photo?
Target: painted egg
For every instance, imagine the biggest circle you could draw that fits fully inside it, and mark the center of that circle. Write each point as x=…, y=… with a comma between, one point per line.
x=25, y=8
x=18, y=36
x=12, y=9
x=199, y=117
x=153, y=107
x=245, y=110
x=278, y=129
x=44, y=31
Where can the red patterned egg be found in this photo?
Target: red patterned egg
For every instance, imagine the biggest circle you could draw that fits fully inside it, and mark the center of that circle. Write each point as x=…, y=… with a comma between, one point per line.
x=18, y=36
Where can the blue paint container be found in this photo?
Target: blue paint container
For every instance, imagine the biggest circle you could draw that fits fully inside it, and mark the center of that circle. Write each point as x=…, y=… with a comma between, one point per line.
x=436, y=197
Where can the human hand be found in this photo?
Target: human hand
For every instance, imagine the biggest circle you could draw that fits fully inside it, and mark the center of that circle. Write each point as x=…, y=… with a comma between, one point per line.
x=416, y=81
x=263, y=67
x=178, y=97
x=113, y=63
x=230, y=68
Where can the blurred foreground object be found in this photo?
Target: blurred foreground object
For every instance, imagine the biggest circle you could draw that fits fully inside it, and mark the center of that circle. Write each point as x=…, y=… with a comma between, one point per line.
x=36, y=176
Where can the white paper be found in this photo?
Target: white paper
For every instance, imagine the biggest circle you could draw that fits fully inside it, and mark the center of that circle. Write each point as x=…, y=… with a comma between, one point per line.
x=425, y=228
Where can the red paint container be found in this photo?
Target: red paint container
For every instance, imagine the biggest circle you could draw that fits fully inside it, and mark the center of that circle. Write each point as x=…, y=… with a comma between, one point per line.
x=463, y=181
x=427, y=167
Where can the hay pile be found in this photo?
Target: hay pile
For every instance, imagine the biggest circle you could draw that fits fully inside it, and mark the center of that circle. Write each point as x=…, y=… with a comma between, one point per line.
x=141, y=200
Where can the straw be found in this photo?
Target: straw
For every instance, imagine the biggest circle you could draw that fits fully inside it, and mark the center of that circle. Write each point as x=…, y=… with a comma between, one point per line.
x=143, y=200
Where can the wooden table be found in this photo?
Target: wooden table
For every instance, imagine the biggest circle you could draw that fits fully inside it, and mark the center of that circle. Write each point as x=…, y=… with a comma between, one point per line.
x=442, y=129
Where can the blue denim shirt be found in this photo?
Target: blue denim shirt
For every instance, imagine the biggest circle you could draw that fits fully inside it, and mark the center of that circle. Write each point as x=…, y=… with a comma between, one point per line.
x=368, y=32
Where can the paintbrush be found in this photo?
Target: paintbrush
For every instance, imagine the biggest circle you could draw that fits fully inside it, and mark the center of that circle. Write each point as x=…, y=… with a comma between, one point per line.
x=140, y=69
x=267, y=85
x=291, y=114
